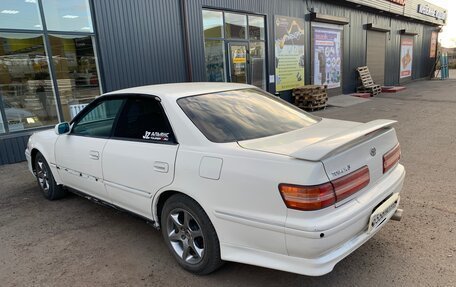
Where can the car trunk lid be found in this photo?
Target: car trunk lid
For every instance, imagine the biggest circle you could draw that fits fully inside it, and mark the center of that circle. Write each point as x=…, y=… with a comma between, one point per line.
x=343, y=147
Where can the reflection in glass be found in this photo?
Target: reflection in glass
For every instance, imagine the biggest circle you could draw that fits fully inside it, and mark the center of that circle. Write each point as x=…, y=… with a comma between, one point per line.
x=68, y=15
x=256, y=28
x=243, y=114
x=238, y=63
x=2, y=128
x=258, y=64
x=20, y=14
x=215, y=60
x=76, y=72
x=212, y=24
x=98, y=122
x=235, y=25
x=25, y=85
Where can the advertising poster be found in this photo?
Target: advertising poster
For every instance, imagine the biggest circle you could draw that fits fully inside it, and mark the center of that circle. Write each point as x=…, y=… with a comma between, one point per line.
x=327, y=57
x=289, y=52
x=433, y=45
x=406, y=57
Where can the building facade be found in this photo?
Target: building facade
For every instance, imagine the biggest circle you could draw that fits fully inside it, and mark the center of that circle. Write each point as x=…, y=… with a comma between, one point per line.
x=56, y=56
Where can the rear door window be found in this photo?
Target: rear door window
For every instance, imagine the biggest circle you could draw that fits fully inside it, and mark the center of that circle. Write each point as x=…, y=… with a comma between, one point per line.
x=143, y=119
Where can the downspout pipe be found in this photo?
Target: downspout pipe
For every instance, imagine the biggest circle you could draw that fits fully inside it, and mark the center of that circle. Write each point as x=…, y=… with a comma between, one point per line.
x=186, y=36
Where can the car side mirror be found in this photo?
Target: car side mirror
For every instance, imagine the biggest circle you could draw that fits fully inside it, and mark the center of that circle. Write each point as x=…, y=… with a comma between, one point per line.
x=62, y=128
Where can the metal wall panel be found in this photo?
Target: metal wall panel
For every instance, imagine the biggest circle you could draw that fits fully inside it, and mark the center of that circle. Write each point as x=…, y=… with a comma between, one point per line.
x=12, y=149
x=140, y=42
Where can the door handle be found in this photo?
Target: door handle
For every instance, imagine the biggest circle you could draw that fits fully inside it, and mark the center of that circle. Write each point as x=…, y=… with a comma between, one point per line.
x=161, y=166
x=93, y=154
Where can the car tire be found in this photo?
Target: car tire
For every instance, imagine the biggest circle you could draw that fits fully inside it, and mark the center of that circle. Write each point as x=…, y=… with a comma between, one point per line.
x=190, y=235
x=50, y=189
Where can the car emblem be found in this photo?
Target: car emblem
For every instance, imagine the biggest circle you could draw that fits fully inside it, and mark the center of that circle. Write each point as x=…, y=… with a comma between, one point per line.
x=373, y=151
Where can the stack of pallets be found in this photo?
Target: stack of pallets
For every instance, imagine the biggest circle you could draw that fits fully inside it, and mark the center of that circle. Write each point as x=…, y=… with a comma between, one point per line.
x=368, y=85
x=311, y=97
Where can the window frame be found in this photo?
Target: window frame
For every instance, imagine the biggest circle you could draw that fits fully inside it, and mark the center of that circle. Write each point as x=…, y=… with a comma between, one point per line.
x=225, y=40
x=126, y=97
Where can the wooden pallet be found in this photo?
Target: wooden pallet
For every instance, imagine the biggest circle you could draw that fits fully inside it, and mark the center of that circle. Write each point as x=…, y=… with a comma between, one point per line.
x=368, y=84
x=373, y=90
x=312, y=108
x=311, y=97
x=318, y=96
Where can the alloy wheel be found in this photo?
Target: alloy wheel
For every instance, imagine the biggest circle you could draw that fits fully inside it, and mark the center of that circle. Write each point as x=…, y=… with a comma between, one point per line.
x=42, y=175
x=185, y=235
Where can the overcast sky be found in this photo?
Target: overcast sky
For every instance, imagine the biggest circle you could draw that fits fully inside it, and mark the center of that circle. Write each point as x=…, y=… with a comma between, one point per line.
x=448, y=37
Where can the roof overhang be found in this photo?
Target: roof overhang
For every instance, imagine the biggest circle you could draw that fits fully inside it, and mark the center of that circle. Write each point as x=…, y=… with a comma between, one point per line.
x=318, y=17
x=375, y=27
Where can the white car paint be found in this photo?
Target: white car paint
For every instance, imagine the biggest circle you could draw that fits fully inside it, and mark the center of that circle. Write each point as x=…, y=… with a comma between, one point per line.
x=237, y=183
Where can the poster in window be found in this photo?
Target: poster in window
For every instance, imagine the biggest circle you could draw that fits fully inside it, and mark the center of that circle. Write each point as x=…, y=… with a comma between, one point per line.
x=433, y=44
x=406, y=57
x=289, y=53
x=327, y=57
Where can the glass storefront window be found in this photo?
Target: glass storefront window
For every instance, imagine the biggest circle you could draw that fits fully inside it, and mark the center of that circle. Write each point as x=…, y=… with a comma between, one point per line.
x=20, y=14
x=68, y=15
x=212, y=24
x=235, y=25
x=76, y=72
x=25, y=86
x=256, y=28
x=238, y=54
x=215, y=60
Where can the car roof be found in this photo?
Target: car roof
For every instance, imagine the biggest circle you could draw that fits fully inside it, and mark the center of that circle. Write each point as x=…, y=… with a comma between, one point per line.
x=179, y=90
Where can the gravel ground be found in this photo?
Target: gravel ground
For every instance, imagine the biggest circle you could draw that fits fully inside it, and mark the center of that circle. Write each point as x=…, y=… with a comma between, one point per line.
x=74, y=242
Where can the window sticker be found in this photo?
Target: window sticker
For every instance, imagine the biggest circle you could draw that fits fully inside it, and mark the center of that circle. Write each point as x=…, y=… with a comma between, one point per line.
x=156, y=136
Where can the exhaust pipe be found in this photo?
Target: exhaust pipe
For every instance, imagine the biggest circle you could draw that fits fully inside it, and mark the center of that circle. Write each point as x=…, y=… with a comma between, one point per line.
x=397, y=215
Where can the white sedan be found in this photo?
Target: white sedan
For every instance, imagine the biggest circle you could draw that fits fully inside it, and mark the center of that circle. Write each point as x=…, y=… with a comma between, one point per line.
x=228, y=172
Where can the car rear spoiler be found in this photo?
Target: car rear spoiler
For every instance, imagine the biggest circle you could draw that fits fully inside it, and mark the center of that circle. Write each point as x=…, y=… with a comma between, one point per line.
x=335, y=144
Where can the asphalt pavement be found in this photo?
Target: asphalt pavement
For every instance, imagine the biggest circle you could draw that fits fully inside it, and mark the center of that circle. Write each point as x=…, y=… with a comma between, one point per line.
x=74, y=242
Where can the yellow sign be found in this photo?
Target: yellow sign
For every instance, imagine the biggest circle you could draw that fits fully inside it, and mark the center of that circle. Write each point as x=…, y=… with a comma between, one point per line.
x=239, y=60
x=289, y=52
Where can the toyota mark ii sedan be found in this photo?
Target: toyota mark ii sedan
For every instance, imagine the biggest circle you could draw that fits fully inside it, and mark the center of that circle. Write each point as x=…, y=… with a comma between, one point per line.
x=228, y=172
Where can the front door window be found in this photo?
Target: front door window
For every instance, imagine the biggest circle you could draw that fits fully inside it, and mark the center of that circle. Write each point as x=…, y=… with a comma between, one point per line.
x=98, y=120
x=238, y=63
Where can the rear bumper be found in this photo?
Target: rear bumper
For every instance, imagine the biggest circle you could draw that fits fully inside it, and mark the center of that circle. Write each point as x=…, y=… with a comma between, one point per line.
x=344, y=229
x=318, y=248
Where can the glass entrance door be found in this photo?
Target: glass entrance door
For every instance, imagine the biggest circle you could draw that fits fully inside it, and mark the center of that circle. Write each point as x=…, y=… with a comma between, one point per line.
x=239, y=63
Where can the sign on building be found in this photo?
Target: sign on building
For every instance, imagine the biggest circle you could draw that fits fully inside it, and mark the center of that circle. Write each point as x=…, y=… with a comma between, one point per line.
x=433, y=48
x=289, y=52
x=428, y=11
x=406, y=57
x=327, y=49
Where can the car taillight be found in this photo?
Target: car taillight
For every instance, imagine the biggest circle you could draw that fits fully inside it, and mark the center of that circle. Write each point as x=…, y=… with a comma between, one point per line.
x=351, y=183
x=391, y=158
x=307, y=197
x=320, y=196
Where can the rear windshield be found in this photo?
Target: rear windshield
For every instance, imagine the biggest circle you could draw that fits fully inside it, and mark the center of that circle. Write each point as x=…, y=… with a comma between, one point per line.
x=243, y=115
